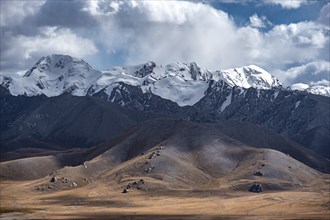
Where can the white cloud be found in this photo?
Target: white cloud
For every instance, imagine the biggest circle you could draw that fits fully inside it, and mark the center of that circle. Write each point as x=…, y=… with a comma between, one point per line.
x=287, y=4
x=299, y=86
x=186, y=31
x=49, y=40
x=310, y=73
x=325, y=15
x=165, y=32
x=259, y=22
x=323, y=82
x=13, y=14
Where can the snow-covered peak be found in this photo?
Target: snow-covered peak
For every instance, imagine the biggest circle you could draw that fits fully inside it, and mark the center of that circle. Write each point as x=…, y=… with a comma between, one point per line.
x=250, y=76
x=139, y=71
x=319, y=90
x=183, y=83
x=54, y=74
x=57, y=64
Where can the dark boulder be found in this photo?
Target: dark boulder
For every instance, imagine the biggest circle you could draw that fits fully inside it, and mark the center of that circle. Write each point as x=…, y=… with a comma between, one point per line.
x=256, y=188
x=258, y=173
x=53, y=179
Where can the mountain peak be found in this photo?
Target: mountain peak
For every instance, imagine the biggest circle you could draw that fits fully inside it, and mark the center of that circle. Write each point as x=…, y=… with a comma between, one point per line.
x=250, y=76
x=183, y=83
x=56, y=64
x=53, y=75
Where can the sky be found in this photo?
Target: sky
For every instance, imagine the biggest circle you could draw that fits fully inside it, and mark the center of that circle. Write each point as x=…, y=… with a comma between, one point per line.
x=288, y=38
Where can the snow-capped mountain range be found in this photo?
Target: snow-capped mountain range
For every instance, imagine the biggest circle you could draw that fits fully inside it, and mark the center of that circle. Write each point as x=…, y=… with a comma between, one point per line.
x=127, y=95
x=183, y=83
x=316, y=89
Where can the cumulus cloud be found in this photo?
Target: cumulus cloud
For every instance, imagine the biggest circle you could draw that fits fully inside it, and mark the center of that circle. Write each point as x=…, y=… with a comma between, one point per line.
x=325, y=15
x=312, y=73
x=174, y=31
x=323, y=82
x=14, y=13
x=48, y=40
x=287, y=4
x=259, y=22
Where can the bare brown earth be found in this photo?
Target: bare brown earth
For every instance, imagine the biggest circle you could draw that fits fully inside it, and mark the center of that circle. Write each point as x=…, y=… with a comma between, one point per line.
x=104, y=200
x=198, y=173
x=179, y=190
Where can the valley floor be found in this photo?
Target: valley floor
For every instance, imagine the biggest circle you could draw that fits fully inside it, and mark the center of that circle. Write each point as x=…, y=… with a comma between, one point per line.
x=105, y=201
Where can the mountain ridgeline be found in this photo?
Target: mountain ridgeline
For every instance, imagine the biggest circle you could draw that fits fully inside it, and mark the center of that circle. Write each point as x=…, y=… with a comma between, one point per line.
x=63, y=103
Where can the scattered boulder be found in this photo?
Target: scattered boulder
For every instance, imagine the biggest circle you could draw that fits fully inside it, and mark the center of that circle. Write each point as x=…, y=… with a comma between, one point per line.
x=147, y=170
x=256, y=188
x=152, y=155
x=53, y=179
x=132, y=185
x=73, y=184
x=258, y=173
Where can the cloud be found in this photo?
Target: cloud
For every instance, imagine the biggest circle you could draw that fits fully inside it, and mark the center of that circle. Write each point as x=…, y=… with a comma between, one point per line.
x=49, y=40
x=287, y=4
x=323, y=82
x=14, y=13
x=68, y=14
x=325, y=15
x=259, y=22
x=312, y=73
x=162, y=31
x=299, y=86
x=174, y=31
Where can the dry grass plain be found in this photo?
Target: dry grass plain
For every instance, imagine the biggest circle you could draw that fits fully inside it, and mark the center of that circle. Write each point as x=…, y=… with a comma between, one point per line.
x=197, y=173
x=102, y=200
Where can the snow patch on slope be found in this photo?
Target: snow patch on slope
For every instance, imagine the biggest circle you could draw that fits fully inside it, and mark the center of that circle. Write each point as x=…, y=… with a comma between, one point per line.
x=226, y=102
